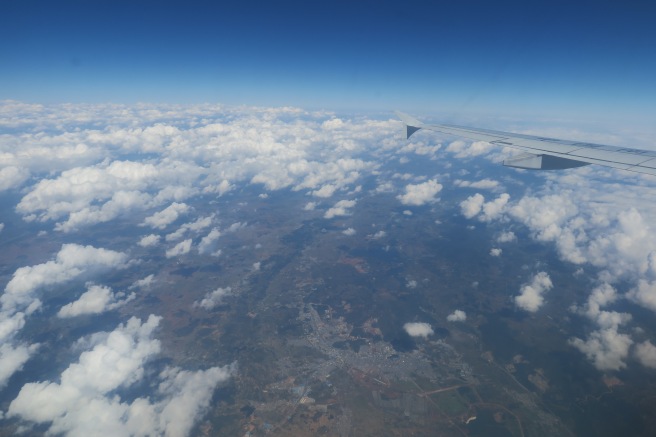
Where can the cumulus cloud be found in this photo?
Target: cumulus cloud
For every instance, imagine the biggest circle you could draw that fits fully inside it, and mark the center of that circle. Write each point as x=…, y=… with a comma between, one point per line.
x=506, y=237
x=181, y=248
x=471, y=206
x=349, y=232
x=325, y=191
x=495, y=252
x=196, y=226
x=462, y=149
x=475, y=205
x=149, y=240
x=143, y=283
x=483, y=184
x=530, y=295
x=71, y=261
x=213, y=298
x=87, y=399
x=208, y=243
x=12, y=358
x=457, y=316
x=646, y=354
x=163, y=218
x=341, y=208
x=644, y=294
x=97, y=299
x=420, y=194
x=310, y=206
x=606, y=348
x=418, y=329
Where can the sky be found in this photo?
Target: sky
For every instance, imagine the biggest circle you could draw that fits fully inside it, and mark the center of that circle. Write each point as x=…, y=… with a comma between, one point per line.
x=557, y=58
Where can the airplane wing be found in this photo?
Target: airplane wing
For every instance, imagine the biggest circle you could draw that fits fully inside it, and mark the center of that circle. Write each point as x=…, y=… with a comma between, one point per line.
x=546, y=153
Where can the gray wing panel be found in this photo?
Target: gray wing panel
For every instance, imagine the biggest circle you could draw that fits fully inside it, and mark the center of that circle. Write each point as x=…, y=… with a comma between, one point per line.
x=636, y=160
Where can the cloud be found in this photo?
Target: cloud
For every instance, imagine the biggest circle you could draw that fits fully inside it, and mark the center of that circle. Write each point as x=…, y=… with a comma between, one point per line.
x=310, y=206
x=644, y=294
x=506, y=237
x=325, y=191
x=207, y=244
x=97, y=299
x=87, y=398
x=182, y=248
x=340, y=209
x=196, y=226
x=606, y=348
x=163, y=218
x=646, y=354
x=143, y=283
x=349, y=232
x=212, y=299
x=71, y=261
x=12, y=359
x=149, y=240
x=475, y=205
x=418, y=329
x=457, y=316
x=462, y=149
x=420, y=194
x=472, y=205
x=530, y=295
x=495, y=252
x=483, y=184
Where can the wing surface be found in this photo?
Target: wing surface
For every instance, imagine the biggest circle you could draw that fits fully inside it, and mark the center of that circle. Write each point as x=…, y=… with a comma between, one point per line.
x=545, y=153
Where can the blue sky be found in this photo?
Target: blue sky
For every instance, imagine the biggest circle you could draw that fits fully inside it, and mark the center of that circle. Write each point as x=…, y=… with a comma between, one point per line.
x=556, y=58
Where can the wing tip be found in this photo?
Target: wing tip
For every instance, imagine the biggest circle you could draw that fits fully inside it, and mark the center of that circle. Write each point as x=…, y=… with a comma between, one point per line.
x=412, y=125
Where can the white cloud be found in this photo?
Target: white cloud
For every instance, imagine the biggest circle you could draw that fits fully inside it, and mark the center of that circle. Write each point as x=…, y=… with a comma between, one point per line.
x=457, y=316
x=646, y=354
x=97, y=299
x=143, y=283
x=71, y=261
x=462, y=149
x=606, y=348
x=87, y=399
x=340, y=209
x=181, y=248
x=418, y=329
x=12, y=177
x=310, y=206
x=475, y=205
x=208, y=243
x=163, y=218
x=530, y=295
x=12, y=359
x=472, y=205
x=325, y=191
x=378, y=235
x=483, y=184
x=213, y=298
x=349, y=232
x=644, y=294
x=149, y=240
x=196, y=226
x=420, y=194
x=506, y=237
x=495, y=252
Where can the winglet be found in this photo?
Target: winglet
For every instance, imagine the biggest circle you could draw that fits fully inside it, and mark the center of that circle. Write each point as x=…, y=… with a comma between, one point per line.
x=412, y=125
